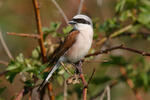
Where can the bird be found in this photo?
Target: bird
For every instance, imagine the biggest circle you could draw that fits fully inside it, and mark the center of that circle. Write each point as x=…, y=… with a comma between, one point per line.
x=75, y=46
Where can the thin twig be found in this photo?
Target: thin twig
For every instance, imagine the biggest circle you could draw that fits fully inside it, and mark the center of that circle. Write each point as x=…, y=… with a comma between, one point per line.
x=108, y=92
x=4, y=63
x=65, y=68
x=116, y=33
x=39, y=28
x=50, y=88
x=36, y=36
x=61, y=11
x=65, y=89
x=119, y=47
x=91, y=76
x=111, y=85
x=5, y=46
x=80, y=6
x=130, y=83
x=20, y=95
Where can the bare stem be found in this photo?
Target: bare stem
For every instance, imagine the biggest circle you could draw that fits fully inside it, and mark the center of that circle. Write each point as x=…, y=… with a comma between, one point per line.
x=61, y=11
x=80, y=6
x=118, y=32
x=39, y=28
x=5, y=46
x=85, y=86
x=119, y=47
x=4, y=63
x=65, y=89
x=112, y=84
x=36, y=36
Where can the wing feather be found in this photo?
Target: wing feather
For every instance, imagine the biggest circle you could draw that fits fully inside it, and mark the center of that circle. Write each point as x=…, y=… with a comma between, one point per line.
x=68, y=42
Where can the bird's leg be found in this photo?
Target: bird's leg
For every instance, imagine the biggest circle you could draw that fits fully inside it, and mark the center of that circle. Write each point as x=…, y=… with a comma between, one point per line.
x=85, y=85
x=78, y=66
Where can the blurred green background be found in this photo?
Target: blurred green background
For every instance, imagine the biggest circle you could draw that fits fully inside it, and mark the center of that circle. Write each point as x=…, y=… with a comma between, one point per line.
x=18, y=16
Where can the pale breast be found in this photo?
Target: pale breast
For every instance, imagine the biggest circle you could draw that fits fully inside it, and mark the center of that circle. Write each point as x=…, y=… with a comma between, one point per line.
x=80, y=47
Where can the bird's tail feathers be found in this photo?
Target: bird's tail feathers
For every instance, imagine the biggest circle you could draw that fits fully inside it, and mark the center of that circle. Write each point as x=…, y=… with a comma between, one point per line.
x=49, y=75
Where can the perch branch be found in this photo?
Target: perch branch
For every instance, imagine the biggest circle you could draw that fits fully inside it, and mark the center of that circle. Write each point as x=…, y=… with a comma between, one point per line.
x=36, y=36
x=39, y=29
x=85, y=86
x=61, y=11
x=5, y=46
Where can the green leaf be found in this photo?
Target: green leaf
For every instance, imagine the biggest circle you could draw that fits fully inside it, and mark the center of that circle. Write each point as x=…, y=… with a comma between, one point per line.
x=67, y=29
x=35, y=54
x=144, y=18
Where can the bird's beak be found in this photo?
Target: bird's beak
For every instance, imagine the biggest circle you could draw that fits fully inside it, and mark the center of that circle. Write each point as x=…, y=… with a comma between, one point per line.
x=72, y=22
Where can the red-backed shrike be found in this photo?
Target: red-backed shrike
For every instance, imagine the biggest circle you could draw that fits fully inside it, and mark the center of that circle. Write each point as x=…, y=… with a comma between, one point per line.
x=75, y=46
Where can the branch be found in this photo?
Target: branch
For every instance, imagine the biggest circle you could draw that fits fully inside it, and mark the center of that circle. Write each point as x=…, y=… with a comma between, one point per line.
x=20, y=95
x=80, y=7
x=91, y=76
x=39, y=29
x=4, y=63
x=118, y=47
x=118, y=32
x=36, y=36
x=106, y=90
x=65, y=89
x=85, y=86
x=111, y=85
x=41, y=40
x=61, y=11
x=5, y=46
x=50, y=88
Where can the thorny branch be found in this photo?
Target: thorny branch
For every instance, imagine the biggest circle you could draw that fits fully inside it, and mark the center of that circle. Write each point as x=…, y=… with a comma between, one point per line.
x=39, y=29
x=41, y=40
x=36, y=36
x=5, y=46
x=61, y=11
x=118, y=47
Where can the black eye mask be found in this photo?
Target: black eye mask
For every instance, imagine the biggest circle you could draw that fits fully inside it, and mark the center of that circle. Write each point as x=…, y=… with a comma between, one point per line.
x=83, y=21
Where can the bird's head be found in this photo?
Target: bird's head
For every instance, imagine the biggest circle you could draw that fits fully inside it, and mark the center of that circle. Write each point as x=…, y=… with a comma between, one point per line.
x=81, y=20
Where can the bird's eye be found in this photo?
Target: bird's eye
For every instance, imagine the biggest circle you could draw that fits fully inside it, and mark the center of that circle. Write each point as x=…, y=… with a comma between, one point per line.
x=83, y=21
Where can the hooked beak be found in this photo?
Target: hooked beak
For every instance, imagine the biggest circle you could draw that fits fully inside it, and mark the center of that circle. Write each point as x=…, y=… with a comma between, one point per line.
x=71, y=22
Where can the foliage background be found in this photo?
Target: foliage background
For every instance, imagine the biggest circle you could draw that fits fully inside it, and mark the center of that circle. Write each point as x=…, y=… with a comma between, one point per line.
x=110, y=16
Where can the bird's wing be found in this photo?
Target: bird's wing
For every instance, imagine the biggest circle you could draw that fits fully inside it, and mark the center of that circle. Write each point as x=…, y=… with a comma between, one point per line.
x=68, y=42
